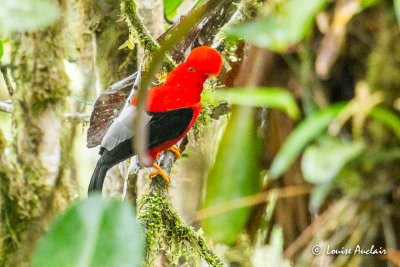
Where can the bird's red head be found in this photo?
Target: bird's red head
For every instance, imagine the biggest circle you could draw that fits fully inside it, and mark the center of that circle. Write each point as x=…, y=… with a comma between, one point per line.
x=205, y=61
x=184, y=84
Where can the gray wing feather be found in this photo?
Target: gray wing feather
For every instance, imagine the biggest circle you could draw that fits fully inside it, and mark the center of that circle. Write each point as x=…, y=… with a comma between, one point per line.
x=121, y=129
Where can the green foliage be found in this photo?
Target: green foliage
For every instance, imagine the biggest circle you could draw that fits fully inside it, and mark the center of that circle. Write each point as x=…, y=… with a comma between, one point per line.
x=318, y=195
x=278, y=31
x=381, y=155
x=308, y=130
x=397, y=10
x=23, y=15
x=170, y=7
x=210, y=100
x=387, y=117
x=95, y=232
x=235, y=174
x=368, y=3
x=1, y=50
x=3, y=142
x=322, y=162
x=2, y=42
x=264, y=97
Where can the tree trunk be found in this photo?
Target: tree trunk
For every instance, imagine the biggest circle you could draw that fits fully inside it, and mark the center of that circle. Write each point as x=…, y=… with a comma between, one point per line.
x=101, y=33
x=32, y=170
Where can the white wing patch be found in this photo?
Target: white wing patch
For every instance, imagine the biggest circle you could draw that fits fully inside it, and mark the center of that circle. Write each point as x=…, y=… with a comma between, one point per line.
x=121, y=129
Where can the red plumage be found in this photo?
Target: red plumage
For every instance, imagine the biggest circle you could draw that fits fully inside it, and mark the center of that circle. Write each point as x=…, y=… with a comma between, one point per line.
x=173, y=109
x=183, y=87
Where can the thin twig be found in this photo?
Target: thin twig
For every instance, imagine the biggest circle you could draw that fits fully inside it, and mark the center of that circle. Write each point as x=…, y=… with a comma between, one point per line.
x=77, y=117
x=123, y=83
x=7, y=79
x=286, y=192
x=314, y=227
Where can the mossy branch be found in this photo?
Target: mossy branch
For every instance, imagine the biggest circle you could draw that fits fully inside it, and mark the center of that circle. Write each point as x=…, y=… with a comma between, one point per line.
x=167, y=231
x=129, y=10
x=163, y=227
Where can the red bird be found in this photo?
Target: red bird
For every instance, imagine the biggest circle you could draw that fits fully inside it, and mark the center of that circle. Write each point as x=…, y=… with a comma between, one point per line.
x=172, y=109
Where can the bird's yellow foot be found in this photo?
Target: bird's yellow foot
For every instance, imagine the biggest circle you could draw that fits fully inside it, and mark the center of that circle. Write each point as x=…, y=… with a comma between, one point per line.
x=160, y=172
x=176, y=150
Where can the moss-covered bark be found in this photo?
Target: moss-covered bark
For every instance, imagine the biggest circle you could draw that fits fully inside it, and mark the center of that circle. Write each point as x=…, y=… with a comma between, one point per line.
x=135, y=24
x=31, y=169
x=166, y=231
x=101, y=33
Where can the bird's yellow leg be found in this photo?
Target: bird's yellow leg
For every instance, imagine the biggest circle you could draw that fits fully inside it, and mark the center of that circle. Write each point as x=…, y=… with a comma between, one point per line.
x=176, y=150
x=160, y=172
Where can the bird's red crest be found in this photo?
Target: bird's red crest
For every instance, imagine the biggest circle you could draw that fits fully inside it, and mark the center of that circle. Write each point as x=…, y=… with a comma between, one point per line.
x=205, y=60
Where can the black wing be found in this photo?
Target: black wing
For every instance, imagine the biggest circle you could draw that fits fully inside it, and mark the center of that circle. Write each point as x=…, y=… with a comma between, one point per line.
x=165, y=126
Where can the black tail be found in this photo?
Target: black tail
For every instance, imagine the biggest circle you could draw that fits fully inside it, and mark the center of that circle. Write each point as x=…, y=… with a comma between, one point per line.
x=108, y=159
x=97, y=180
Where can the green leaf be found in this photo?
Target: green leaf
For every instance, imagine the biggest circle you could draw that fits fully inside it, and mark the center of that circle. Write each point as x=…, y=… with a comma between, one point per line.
x=308, y=130
x=368, y=3
x=300, y=17
x=282, y=30
x=323, y=161
x=235, y=174
x=170, y=7
x=23, y=15
x=397, y=10
x=264, y=96
x=387, y=117
x=95, y=232
x=384, y=155
x=1, y=50
x=318, y=195
x=268, y=33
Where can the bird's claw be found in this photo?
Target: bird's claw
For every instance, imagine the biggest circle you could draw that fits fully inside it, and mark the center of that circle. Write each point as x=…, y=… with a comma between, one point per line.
x=176, y=150
x=161, y=172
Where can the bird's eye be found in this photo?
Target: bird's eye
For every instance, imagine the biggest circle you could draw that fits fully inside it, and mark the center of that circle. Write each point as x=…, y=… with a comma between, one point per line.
x=191, y=69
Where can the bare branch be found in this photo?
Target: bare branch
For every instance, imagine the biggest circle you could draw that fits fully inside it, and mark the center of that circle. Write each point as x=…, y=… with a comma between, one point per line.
x=7, y=79
x=77, y=117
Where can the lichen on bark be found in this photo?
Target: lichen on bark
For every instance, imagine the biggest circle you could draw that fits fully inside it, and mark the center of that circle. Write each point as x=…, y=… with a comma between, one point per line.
x=31, y=169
